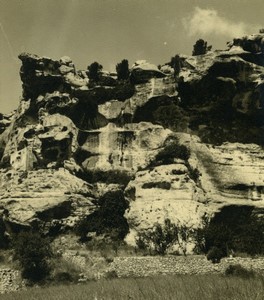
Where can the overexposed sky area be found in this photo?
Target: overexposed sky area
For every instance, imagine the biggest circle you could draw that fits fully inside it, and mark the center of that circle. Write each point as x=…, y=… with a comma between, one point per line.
x=108, y=31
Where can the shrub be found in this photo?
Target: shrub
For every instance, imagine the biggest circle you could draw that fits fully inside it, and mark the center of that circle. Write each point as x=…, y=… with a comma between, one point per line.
x=108, y=219
x=171, y=151
x=93, y=71
x=63, y=277
x=215, y=254
x=159, y=239
x=122, y=70
x=239, y=271
x=4, y=239
x=234, y=228
x=65, y=271
x=110, y=176
x=32, y=251
x=123, y=91
x=194, y=173
x=111, y=274
x=176, y=63
x=200, y=47
x=170, y=116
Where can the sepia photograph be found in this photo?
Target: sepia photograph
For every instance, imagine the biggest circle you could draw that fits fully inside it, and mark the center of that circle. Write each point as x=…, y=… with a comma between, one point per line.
x=131, y=149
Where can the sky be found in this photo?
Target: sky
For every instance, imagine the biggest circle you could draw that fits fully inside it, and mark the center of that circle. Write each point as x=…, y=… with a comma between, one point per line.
x=108, y=31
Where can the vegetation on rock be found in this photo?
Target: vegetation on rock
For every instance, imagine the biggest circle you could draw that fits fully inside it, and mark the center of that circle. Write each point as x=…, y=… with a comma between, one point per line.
x=122, y=70
x=94, y=71
x=108, y=219
x=171, y=151
x=200, y=47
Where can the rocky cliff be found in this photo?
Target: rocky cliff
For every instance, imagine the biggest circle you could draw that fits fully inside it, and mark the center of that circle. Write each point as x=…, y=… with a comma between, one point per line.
x=176, y=145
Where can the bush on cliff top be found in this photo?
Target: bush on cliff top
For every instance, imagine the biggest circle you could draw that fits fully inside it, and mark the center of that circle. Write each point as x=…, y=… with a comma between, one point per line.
x=200, y=47
x=93, y=71
x=122, y=70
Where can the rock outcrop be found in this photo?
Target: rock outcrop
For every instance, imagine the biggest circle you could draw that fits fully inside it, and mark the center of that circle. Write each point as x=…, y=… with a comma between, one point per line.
x=72, y=141
x=142, y=71
x=224, y=93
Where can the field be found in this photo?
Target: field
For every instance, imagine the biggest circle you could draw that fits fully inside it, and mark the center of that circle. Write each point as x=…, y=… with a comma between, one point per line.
x=181, y=287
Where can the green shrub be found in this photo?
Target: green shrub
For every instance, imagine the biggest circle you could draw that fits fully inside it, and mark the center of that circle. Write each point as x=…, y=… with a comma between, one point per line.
x=33, y=253
x=239, y=271
x=215, y=254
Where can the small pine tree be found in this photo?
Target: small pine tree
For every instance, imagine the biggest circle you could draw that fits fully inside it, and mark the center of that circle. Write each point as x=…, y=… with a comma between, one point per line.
x=200, y=47
x=93, y=71
x=122, y=70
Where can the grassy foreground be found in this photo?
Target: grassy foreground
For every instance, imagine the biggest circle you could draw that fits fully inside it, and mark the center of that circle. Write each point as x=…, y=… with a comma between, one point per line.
x=181, y=287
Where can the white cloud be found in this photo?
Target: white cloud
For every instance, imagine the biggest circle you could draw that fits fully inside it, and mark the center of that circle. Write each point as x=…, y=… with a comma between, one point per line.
x=207, y=22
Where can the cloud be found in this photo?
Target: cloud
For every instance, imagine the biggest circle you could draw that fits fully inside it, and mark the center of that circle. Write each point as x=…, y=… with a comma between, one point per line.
x=208, y=21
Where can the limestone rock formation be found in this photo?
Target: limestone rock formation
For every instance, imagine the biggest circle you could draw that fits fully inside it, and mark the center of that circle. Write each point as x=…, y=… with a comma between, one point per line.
x=176, y=145
x=142, y=71
x=45, y=197
x=225, y=94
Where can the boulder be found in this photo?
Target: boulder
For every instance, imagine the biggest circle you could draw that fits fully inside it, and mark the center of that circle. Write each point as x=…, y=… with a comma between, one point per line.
x=142, y=71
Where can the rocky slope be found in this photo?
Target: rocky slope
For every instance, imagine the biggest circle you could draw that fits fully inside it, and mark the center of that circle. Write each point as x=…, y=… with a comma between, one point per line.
x=177, y=145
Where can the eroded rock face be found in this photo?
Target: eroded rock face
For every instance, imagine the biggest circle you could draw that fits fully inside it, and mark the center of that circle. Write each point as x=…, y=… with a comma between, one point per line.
x=129, y=148
x=253, y=43
x=41, y=75
x=230, y=175
x=66, y=129
x=224, y=93
x=160, y=193
x=232, y=172
x=50, y=197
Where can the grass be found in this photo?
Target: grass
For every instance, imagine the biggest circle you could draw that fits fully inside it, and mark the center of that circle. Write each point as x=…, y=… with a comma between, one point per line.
x=178, y=287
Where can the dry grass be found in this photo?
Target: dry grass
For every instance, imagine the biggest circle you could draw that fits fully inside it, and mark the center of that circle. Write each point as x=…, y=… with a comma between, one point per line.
x=181, y=287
